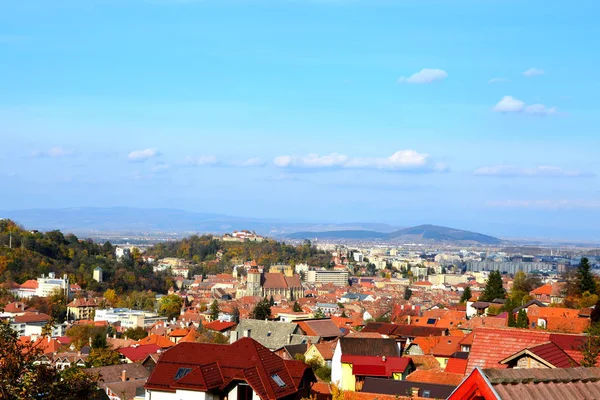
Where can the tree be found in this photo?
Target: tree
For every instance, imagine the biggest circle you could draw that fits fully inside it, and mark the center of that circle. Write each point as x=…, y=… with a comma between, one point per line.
x=466, y=296
x=493, y=288
x=407, y=293
x=21, y=377
x=136, y=333
x=296, y=307
x=595, y=315
x=590, y=348
x=271, y=301
x=262, y=310
x=585, y=279
x=511, y=321
x=344, y=314
x=170, y=306
x=102, y=357
x=111, y=296
x=319, y=314
x=522, y=320
x=235, y=315
x=214, y=310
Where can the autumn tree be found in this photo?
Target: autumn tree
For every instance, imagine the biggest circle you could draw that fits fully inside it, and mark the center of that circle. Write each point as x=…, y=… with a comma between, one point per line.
x=136, y=333
x=493, y=288
x=319, y=314
x=296, y=307
x=22, y=377
x=102, y=357
x=590, y=347
x=170, y=306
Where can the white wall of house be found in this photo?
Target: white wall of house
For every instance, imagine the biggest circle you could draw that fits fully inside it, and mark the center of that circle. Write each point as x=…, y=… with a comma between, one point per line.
x=192, y=395
x=336, y=365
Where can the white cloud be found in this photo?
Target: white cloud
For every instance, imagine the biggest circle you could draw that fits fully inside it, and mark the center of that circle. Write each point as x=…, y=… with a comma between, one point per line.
x=403, y=160
x=161, y=167
x=540, y=109
x=142, y=155
x=531, y=72
x=53, y=152
x=426, y=75
x=251, y=162
x=509, y=104
x=547, y=204
x=201, y=161
x=539, y=171
x=498, y=80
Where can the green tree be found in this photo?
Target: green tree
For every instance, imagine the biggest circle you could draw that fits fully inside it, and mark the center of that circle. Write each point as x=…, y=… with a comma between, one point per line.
x=319, y=314
x=214, y=310
x=522, y=320
x=271, y=301
x=407, y=293
x=296, y=307
x=21, y=377
x=170, y=306
x=262, y=310
x=466, y=296
x=590, y=348
x=136, y=333
x=511, y=321
x=585, y=278
x=493, y=288
x=595, y=315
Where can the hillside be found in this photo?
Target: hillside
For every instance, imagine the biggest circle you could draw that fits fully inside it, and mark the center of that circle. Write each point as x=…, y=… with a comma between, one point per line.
x=421, y=233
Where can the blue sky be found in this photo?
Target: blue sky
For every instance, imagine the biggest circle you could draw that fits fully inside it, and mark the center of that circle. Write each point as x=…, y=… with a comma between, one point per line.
x=477, y=114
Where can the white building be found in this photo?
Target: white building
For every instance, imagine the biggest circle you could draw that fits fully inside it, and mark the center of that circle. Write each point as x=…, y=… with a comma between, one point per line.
x=49, y=285
x=128, y=318
x=98, y=274
x=337, y=277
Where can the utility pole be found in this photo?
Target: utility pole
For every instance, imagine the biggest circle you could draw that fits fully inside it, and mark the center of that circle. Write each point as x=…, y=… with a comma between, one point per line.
x=10, y=240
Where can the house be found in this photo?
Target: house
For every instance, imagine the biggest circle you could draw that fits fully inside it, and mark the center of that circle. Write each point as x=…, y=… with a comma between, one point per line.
x=549, y=384
x=292, y=351
x=121, y=381
x=321, y=352
x=324, y=328
x=82, y=308
x=341, y=372
x=222, y=327
x=271, y=334
x=360, y=367
x=441, y=347
x=137, y=353
x=33, y=323
x=243, y=370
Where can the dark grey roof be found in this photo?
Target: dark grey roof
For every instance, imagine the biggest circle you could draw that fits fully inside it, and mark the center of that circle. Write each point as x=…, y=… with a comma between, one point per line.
x=529, y=303
x=369, y=347
x=113, y=373
x=273, y=335
x=402, y=388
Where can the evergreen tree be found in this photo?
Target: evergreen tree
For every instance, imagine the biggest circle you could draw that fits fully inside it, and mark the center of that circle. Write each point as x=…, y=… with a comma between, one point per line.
x=466, y=295
x=214, y=310
x=511, y=321
x=595, y=315
x=319, y=314
x=493, y=288
x=522, y=320
x=271, y=301
x=262, y=310
x=344, y=314
x=297, y=307
x=407, y=293
x=235, y=315
x=585, y=279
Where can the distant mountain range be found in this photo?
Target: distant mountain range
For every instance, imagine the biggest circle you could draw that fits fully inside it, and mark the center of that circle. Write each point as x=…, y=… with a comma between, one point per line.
x=421, y=233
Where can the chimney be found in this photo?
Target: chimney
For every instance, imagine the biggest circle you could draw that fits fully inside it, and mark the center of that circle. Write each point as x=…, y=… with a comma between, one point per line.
x=123, y=375
x=289, y=339
x=233, y=336
x=383, y=359
x=414, y=391
x=247, y=333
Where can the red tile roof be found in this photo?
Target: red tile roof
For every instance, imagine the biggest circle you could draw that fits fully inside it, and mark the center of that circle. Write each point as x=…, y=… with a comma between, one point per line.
x=213, y=366
x=30, y=317
x=550, y=353
x=437, y=377
x=219, y=326
x=546, y=289
x=158, y=340
x=29, y=284
x=456, y=366
x=138, y=353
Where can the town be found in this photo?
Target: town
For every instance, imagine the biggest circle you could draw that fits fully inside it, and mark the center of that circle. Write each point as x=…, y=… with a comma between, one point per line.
x=243, y=315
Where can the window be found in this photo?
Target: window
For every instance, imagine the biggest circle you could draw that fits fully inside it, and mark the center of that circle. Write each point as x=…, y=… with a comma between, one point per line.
x=268, y=333
x=278, y=380
x=181, y=372
x=426, y=393
x=431, y=321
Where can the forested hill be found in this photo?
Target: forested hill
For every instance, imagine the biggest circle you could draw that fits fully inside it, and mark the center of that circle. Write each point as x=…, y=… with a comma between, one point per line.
x=28, y=254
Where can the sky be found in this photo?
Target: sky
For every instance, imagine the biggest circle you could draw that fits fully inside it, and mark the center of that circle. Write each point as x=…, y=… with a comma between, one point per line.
x=476, y=114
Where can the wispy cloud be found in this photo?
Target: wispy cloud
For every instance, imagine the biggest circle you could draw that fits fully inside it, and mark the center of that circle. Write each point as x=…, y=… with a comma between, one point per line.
x=498, y=80
x=531, y=72
x=142, y=155
x=539, y=171
x=200, y=161
x=509, y=104
x=426, y=75
x=161, y=167
x=251, y=162
x=547, y=204
x=403, y=160
x=53, y=152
